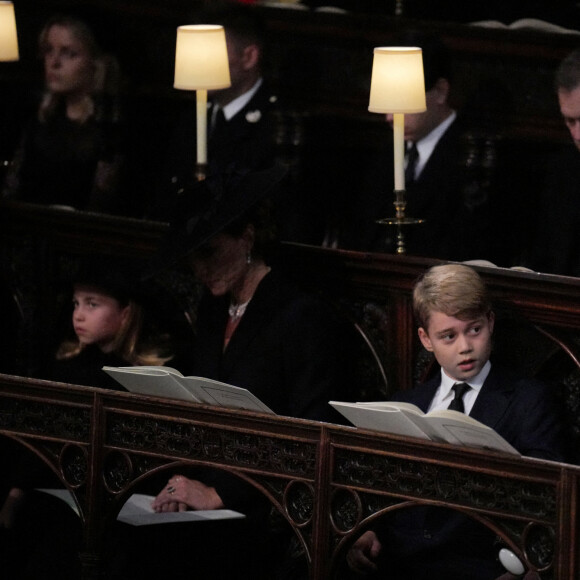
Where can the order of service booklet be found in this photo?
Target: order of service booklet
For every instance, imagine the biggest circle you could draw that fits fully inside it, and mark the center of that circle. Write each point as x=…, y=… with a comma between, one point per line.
x=137, y=511
x=168, y=382
x=445, y=425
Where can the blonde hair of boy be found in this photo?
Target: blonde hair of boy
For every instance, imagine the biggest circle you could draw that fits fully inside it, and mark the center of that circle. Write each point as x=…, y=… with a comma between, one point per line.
x=453, y=289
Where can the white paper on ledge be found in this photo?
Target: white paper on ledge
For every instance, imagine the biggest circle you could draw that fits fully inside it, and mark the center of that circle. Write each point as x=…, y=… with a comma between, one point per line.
x=137, y=511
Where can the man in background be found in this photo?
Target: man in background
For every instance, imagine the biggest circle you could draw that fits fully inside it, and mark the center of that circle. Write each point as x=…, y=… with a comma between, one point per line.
x=556, y=247
x=240, y=124
x=442, y=187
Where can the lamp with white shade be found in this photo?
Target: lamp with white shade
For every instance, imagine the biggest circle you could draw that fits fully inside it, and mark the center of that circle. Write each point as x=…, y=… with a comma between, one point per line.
x=8, y=35
x=398, y=87
x=201, y=64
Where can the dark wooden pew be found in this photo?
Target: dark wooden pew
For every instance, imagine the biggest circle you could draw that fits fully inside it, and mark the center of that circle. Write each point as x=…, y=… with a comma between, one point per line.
x=326, y=482
x=322, y=484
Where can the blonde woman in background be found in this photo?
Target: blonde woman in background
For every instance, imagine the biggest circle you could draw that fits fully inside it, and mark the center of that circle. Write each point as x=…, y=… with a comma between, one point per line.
x=71, y=153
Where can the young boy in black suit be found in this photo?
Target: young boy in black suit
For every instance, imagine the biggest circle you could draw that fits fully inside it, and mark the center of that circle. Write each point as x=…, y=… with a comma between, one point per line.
x=456, y=323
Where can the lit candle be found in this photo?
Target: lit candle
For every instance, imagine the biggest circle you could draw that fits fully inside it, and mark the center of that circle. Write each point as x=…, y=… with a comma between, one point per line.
x=399, y=149
x=201, y=100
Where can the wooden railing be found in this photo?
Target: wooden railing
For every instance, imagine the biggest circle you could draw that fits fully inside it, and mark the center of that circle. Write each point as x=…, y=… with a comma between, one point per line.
x=328, y=482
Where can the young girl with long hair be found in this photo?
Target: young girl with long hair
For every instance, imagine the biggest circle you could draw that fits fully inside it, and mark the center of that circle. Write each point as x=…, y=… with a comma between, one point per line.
x=110, y=325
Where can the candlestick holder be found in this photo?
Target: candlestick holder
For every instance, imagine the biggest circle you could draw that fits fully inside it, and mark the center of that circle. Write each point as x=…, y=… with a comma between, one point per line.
x=400, y=219
x=200, y=172
x=398, y=88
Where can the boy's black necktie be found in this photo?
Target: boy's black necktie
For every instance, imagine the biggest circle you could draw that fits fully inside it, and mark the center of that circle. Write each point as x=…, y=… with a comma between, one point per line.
x=457, y=403
x=412, y=159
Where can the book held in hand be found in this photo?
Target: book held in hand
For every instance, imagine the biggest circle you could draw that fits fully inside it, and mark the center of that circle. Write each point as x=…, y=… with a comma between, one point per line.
x=444, y=425
x=167, y=382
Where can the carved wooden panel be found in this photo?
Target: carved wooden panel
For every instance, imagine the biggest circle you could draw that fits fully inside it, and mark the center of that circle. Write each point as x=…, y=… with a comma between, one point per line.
x=326, y=482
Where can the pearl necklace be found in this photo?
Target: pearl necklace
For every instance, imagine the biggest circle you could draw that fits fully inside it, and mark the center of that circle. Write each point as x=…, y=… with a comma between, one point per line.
x=236, y=311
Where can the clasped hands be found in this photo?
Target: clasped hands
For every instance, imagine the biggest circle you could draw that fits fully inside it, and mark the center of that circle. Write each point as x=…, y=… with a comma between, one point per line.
x=182, y=494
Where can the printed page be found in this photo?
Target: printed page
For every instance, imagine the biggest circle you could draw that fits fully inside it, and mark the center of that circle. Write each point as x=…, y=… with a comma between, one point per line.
x=392, y=405
x=387, y=419
x=156, y=370
x=64, y=495
x=137, y=511
x=155, y=382
x=457, y=428
x=213, y=392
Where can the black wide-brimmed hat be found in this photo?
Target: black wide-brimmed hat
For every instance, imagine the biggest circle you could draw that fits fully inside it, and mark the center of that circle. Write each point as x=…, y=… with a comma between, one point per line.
x=115, y=276
x=209, y=207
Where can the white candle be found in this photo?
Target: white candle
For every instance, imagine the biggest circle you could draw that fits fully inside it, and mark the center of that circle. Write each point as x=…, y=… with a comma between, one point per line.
x=201, y=100
x=399, y=149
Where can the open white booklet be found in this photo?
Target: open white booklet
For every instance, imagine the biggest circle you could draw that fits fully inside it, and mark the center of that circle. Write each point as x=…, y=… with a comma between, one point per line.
x=137, y=511
x=168, y=382
x=445, y=426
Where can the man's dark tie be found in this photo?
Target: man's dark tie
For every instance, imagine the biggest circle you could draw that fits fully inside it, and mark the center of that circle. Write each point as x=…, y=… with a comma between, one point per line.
x=412, y=158
x=457, y=403
x=219, y=122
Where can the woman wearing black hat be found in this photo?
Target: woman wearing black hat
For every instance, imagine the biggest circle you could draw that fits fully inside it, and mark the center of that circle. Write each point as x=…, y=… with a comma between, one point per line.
x=254, y=329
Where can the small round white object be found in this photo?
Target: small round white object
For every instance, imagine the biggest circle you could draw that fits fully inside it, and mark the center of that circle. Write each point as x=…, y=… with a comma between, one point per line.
x=511, y=562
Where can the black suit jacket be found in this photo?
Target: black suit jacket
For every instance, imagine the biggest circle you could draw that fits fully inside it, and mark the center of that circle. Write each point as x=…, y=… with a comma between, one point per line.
x=289, y=349
x=523, y=411
x=245, y=142
x=556, y=247
x=449, y=195
x=247, y=139
x=432, y=542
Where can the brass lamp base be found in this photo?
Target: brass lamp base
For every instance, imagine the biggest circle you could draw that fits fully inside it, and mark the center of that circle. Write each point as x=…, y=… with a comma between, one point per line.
x=400, y=219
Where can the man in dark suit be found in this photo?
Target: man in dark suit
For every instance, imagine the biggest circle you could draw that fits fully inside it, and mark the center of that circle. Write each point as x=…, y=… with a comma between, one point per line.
x=456, y=324
x=442, y=188
x=557, y=241
x=240, y=117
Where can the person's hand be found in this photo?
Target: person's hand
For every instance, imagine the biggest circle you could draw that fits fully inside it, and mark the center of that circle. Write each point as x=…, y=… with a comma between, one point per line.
x=12, y=504
x=363, y=553
x=181, y=494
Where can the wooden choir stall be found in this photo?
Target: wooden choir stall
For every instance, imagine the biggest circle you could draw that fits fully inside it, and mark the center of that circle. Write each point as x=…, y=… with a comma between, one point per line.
x=327, y=482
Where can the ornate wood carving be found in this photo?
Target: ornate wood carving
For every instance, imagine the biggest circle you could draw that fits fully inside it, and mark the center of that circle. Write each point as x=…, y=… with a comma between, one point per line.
x=100, y=438
x=407, y=477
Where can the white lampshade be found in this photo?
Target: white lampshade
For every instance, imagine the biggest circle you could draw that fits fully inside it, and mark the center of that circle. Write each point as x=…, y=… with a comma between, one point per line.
x=8, y=36
x=201, y=58
x=397, y=83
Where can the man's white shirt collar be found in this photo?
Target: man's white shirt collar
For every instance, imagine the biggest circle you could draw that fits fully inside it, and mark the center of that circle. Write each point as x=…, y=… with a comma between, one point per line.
x=240, y=102
x=426, y=145
x=444, y=394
